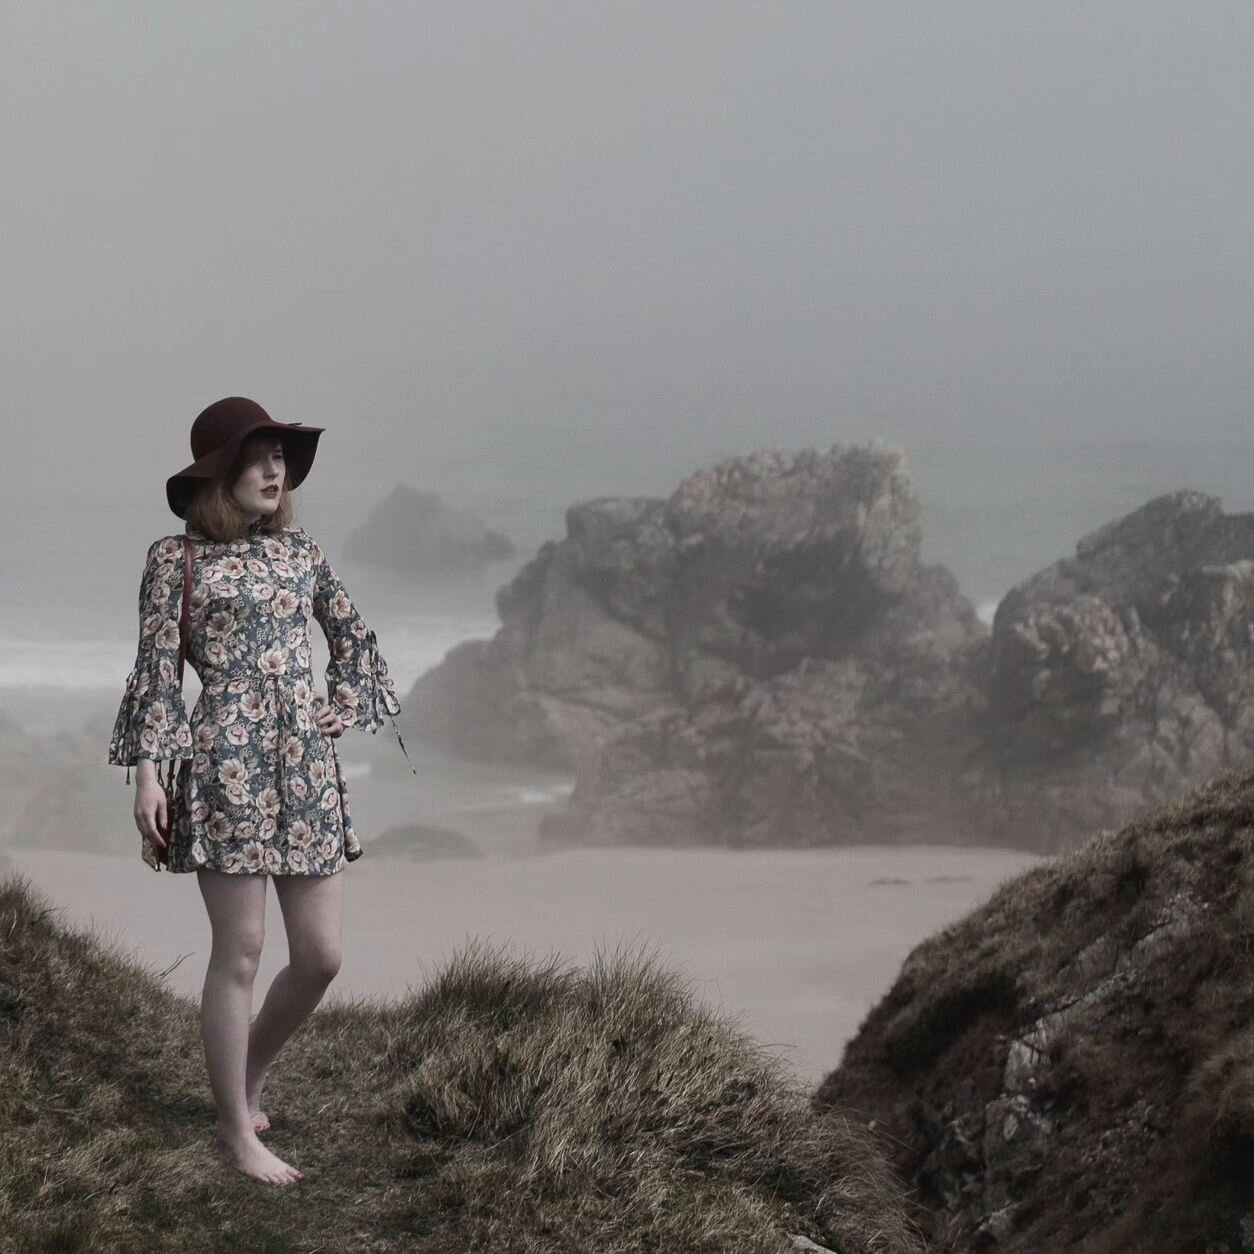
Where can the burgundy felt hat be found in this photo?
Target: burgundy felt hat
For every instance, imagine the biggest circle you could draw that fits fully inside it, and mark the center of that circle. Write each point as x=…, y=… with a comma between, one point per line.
x=217, y=434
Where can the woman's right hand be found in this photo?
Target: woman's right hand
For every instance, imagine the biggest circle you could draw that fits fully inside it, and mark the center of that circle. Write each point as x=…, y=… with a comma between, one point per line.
x=151, y=815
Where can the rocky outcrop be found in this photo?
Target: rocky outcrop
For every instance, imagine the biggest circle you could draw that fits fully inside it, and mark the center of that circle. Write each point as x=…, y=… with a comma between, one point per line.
x=1071, y=1066
x=1124, y=673
x=760, y=658
x=418, y=533
x=763, y=658
x=424, y=842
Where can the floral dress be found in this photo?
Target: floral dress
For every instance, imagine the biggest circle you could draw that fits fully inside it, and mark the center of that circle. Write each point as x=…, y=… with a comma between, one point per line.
x=259, y=788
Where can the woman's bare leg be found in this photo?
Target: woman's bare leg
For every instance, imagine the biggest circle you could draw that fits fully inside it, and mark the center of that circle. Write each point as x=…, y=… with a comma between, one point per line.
x=313, y=909
x=237, y=914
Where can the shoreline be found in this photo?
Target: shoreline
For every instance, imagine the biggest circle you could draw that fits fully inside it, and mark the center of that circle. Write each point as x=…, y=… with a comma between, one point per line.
x=795, y=945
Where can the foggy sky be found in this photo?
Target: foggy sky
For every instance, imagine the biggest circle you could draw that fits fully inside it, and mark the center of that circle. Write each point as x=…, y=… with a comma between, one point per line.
x=458, y=231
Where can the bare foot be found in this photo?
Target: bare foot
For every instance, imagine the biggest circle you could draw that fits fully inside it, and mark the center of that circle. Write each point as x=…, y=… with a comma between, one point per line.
x=261, y=1121
x=252, y=1158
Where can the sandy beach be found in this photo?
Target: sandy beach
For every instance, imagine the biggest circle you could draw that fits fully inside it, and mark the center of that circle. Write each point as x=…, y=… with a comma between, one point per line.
x=797, y=945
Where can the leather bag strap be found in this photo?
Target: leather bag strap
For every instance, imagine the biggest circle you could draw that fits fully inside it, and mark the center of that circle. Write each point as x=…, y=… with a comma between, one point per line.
x=187, y=596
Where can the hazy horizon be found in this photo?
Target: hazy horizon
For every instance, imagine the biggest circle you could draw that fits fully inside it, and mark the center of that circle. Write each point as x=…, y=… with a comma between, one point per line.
x=464, y=232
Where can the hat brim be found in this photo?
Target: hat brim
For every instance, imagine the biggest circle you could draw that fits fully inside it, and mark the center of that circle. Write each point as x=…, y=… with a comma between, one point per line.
x=300, y=443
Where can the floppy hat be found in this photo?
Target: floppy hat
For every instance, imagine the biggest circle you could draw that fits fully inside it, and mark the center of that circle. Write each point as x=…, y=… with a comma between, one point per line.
x=217, y=434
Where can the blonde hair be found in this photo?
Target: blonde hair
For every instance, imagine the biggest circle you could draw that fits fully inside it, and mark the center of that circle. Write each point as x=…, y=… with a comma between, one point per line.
x=214, y=513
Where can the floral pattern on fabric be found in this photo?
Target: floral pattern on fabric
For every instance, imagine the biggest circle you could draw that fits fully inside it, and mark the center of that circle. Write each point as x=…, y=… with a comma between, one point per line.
x=259, y=787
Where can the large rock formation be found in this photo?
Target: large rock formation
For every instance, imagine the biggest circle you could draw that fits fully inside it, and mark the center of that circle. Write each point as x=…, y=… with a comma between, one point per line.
x=418, y=533
x=1071, y=1066
x=763, y=658
x=1124, y=673
x=760, y=658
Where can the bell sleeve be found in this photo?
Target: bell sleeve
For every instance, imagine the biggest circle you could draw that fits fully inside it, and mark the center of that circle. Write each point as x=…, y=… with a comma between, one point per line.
x=152, y=720
x=359, y=687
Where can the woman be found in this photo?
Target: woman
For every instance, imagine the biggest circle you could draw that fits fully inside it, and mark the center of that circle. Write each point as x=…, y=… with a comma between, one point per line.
x=259, y=790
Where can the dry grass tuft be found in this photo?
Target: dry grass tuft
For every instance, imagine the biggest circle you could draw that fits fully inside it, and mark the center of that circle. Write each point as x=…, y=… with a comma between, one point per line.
x=506, y=1106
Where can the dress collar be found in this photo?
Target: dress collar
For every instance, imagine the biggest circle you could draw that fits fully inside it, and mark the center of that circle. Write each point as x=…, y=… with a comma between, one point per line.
x=254, y=530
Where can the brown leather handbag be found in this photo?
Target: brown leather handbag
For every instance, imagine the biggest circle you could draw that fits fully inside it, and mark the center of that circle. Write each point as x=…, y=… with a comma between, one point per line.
x=157, y=858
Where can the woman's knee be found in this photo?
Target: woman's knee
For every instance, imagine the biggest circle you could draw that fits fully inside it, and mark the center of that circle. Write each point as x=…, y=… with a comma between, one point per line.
x=238, y=953
x=318, y=964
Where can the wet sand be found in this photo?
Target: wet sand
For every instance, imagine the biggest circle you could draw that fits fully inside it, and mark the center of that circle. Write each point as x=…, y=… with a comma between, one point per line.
x=796, y=945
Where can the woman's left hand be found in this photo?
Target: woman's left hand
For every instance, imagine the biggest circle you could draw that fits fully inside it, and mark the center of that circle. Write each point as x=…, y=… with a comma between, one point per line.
x=328, y=721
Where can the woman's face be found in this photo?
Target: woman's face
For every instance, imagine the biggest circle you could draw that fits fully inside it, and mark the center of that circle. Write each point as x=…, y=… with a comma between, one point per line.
x=258, y=486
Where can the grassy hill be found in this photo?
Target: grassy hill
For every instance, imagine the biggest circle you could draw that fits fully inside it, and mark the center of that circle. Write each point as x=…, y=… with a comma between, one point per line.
x=506, y=1106
x=1071, y=1066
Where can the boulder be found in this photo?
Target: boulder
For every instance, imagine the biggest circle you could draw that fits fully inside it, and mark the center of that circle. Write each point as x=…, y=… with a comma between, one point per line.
x=421, y=842
x=418, y=533
x=1123, y=674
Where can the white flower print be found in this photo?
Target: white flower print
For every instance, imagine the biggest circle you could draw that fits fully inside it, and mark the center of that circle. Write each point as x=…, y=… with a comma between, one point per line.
x=245, y=830
x=252, y=855
x=302, y=693
x=233, y=771
x=285, y=603
x=257, y=567
x=227, y=714
x=238, y=734
x=267, y=828
x=341, y=606
x=298, y=861
x=272, y=662
x=157, y=717
x=252, y=706
x=232, y=567
x=268, y=801
x=299, y=834
x=293, y=750
x=331, y=798
x=263, y=591
x=317, y=774
x=219, y=827
x=300, y=789
x=221, y=623
x=272, y=859
x=199, y=811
